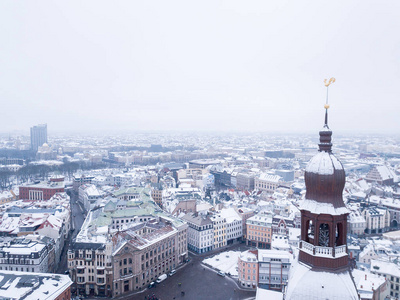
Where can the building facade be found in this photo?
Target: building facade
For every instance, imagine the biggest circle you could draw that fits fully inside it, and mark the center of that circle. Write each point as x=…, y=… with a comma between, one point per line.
x=219, y=228
x=266, y=182
x=248, y=269
x=41, y=190
x=259, y=231
x=200, y=232
x=377, y=220
x=38, y=136
x=24, y=255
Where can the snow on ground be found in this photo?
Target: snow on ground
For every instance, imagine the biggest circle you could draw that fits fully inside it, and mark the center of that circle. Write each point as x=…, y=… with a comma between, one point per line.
x=225, y=262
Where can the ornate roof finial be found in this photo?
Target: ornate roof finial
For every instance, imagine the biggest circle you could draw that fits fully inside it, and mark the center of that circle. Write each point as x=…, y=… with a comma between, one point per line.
x=325, y=135
x=326, y=106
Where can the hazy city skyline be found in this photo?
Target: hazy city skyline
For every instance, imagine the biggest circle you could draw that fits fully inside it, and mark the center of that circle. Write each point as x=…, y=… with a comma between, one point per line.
x=209, y=66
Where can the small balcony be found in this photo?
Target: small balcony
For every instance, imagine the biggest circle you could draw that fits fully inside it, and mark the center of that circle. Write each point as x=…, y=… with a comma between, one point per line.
x=320, y=251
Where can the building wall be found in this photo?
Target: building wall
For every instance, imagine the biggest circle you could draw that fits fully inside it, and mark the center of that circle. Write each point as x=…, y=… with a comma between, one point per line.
x=274, y=271
x=89, y=270
x=265, y=185
x=25, y=261
x=157, y=196
x=377, y=220
x=234, y=230
x=248, y=273
x=200, y=237
x=219, y=226
x=259, y=233
x=135, y=268
x=66, y=294
x=37, y=193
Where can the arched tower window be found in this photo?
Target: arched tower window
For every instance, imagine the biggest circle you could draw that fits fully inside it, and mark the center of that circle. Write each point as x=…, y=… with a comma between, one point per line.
x=310, y=230
x=339, y=241
x=323, y=239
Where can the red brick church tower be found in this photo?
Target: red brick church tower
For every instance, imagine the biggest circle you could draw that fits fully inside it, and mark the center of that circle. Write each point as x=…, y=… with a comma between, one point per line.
x=322, y=270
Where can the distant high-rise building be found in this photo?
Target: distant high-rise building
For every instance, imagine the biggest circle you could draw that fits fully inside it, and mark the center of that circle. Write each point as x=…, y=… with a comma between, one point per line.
x=38, y=136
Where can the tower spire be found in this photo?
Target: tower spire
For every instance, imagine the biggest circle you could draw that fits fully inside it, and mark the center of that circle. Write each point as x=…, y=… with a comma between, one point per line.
x=325, y=134
x=326, y=106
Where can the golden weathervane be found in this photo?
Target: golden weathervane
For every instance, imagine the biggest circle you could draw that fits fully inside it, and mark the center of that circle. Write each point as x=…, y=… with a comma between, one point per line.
x=327, y=84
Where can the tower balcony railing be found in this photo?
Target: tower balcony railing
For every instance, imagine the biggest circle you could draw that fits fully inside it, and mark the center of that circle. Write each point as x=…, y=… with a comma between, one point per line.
x=340, y=249
x=320, y=251
x=323, y=250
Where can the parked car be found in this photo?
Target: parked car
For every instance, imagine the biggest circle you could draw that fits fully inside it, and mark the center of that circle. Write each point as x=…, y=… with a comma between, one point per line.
x=152, y=284
x=172, y=272
x=220, y=273
x=161, y=278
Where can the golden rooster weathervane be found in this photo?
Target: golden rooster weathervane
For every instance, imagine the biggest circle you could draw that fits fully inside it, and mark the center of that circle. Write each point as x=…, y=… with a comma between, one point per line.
x=327, y=84
x=326, y=106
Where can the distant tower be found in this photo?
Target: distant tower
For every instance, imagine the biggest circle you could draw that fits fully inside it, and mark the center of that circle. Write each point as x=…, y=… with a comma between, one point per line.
x=38, y=136
x=323, y=271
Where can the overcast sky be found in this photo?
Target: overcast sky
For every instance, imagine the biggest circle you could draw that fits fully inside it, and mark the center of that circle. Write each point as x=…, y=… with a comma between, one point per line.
x=199, y=65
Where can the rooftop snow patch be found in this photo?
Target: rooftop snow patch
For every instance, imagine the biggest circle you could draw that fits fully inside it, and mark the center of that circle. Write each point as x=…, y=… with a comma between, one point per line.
x=306, y=283
x=226, y=262
x=322, y=208
x=324, y=163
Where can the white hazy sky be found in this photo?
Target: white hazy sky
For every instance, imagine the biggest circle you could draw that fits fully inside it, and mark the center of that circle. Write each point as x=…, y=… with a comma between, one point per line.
x=199, y=65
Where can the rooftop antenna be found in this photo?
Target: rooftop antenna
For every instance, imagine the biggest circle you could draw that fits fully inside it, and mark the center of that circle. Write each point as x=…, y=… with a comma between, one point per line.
x=326, y=106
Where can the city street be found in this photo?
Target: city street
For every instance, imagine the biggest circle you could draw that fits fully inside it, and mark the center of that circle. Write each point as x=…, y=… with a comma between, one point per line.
x=77, y=217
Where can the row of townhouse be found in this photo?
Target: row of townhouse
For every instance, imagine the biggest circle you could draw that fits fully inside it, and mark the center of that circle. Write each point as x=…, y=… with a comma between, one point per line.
x=212, y=231
x=207, y=232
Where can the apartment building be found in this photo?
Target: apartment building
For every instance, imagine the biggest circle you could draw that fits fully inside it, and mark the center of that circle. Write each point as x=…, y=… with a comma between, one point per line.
x=268, y=269
x=44, y=286
x=391, y=272
x=79, y=180
x=88, y=196
x=90, y=266
x=356, y=223
x=245, y=181
x=259, y=231
x=248, y=269
x=219, y=227
x=142, y=254
x=234, y=225
x=377, y=219
x=273, y=269
x=267, y=182
x=156, y=193
x=24, y=255
x=200, y=234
